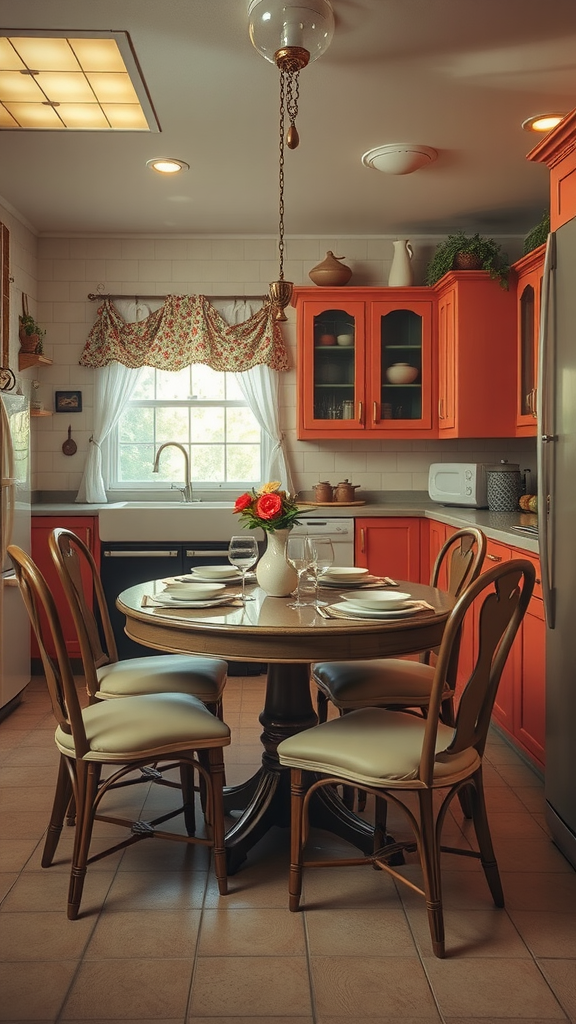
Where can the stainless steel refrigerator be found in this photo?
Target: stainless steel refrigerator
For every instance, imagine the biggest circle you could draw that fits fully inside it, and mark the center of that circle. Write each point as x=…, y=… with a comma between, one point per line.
x=557, y=528
x=15, y=528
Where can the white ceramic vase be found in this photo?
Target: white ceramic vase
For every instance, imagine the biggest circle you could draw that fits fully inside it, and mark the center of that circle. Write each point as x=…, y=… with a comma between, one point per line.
x=401, y=270
x=274, y=574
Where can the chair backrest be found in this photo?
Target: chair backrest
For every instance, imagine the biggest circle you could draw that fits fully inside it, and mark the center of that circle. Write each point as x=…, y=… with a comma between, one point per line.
x=80, y=579
x=463, y=555
x=503, y=594
x=58, y=671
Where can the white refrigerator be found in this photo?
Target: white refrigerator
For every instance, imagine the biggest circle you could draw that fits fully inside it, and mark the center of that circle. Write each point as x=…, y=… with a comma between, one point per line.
x=557, y=528
x=15, y=529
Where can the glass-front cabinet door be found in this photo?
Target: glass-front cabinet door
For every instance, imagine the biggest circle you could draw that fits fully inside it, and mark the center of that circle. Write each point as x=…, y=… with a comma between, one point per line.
x=400, y=385
x=331, y=367
x=530, y=270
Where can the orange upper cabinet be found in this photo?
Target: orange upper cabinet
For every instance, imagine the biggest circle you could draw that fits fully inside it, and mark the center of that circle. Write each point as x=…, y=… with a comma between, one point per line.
x=476, y=356
x=364, y=362
x=558, y=151
x=527, y=279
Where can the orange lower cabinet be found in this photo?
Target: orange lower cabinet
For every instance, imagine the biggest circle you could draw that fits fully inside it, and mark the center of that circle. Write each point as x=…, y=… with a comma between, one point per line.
x=389, y=547
x=85, y=527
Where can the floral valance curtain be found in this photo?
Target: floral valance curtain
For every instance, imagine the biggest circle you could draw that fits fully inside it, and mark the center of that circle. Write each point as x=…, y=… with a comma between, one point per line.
x=186, y=329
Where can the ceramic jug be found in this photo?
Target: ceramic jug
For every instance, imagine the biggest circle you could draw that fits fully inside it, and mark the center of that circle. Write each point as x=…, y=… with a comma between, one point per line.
x=401, y=270
x=344, y=491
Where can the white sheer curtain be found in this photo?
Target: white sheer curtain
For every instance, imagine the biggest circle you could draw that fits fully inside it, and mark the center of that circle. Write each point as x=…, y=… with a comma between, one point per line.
x=261, y=389
x=114, y=385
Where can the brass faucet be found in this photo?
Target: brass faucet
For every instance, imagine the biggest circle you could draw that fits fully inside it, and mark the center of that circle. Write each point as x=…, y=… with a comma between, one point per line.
x=187, y=489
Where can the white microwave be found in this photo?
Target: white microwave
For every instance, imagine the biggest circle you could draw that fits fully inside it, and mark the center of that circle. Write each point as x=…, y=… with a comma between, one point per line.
x=458, y=483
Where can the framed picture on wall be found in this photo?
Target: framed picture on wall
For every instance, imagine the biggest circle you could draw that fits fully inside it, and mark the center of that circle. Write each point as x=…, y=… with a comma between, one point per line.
x=68, y=401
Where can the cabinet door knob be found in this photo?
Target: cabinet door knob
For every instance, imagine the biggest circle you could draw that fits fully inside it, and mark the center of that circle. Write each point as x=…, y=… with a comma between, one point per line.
x=360, y=412
x=494, y=558
x=375, y=412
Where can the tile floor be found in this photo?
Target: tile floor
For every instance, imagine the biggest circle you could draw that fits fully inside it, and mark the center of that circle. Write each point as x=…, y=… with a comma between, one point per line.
x=156, y=944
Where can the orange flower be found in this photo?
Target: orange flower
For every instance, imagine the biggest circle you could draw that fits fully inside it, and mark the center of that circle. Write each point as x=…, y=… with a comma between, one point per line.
x=244, y=501
x=269, y=506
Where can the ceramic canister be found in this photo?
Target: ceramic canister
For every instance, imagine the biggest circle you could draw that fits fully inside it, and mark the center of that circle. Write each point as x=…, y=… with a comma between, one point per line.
x=504, y=486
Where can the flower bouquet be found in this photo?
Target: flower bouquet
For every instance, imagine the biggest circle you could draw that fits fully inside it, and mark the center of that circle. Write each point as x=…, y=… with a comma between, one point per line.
x=269, y=508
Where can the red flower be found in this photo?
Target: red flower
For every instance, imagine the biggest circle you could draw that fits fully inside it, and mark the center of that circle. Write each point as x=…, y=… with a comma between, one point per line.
x=244, y=501
x=269, y=506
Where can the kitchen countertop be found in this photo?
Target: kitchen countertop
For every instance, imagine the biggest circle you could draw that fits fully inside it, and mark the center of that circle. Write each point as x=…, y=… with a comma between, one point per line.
x=496, y=525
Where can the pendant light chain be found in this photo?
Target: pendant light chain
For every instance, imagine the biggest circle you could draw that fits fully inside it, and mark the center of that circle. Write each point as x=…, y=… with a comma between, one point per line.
x=281, y=177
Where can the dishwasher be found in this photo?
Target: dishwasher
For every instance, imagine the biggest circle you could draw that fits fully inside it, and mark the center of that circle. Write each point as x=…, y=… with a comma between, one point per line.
x=125, y=564
x=339, y=531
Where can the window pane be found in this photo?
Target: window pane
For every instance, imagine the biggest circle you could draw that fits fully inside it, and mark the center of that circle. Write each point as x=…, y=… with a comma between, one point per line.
x=233, y=389
x=207, y=425
x=208, y=463
x=207, y=384
x=173, y=386
x=241, y=426
x=243, y=462
x=171, y=425
x=136, y=462
x=137, y=425
x=145, y=388
x=171, y=466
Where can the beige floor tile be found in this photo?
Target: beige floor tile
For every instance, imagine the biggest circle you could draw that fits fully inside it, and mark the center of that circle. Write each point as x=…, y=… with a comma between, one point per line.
x=250, y=986
x=255, y=885
x=144, y=934
x=273, y=1019
x=165, y=856
x=393, y=987
x=530, y=855
x=547, y=934
x=511, y=824
x=15, y=853
x=264, y=932
x=491, y=988
x=519, y=775
x=561, y=975
x=532, y=798
x=48, y=890
x=43, y=936
x=498, y=1020
x=552, y=892
x=32, y=756
x=353, y=887
x=30, y=778
x=8, y=880
x=369, y=933
x=37, y=800
x=34, y=991
x=353, y=1019
x=129, y=990
x=470, y=933
x=145, y=890
x=63, y=857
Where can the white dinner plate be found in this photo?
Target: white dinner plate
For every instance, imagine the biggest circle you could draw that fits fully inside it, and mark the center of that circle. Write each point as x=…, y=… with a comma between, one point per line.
x=197, y=578
x=216, y=573
x=359, y=606
x=173, y=602
x=353, y=613
x=345, y=584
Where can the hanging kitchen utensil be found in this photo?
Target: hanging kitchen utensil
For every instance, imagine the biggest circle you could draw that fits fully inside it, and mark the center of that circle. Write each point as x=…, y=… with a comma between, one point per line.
x=69, y=447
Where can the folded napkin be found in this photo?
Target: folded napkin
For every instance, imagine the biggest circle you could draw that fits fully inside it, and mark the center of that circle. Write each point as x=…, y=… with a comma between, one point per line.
x=150, y=602
x=411, y=608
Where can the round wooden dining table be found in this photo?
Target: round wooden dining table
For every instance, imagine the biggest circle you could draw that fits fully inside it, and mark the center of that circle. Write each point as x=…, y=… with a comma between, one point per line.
x=265, y=629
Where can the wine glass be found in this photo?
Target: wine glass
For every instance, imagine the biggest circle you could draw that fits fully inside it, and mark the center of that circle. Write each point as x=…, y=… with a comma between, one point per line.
x=299, y=556
x=321, y=558
x=243, y=554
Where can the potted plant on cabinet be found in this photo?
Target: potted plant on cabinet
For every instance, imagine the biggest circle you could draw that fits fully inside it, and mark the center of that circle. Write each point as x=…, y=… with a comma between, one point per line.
x=31, y=334
x=468, y=252
x=538, y=235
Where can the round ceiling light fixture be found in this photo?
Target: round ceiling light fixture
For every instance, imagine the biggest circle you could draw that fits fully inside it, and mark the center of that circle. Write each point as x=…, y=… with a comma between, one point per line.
x=542, y=122
x=399, y=158
x=167, y=165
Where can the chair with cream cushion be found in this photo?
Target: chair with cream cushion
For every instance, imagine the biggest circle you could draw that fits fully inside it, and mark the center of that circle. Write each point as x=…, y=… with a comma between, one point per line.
x=396, y=682
x=106, y=676
x=121, y=735
x=418, y=764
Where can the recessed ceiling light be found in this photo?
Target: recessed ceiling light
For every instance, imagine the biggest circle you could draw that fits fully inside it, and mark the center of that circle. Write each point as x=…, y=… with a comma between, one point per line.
x=82, y=81
x=167, y=165
x=542, y=122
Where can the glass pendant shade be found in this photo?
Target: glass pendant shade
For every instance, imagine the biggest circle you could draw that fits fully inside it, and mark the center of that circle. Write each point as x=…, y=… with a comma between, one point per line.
x=277, y=24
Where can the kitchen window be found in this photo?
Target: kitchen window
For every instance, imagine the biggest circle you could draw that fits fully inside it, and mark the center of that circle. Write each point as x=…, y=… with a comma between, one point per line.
x=202, y=409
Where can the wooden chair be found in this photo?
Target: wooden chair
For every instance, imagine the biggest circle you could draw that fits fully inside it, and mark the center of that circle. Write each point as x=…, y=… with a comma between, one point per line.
x=154, y=728
x=397, y=682
x=408, y=760
x=106, y=676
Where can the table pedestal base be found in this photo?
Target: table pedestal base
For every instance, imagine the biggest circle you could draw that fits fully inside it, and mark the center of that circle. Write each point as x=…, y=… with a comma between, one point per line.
x=265, y=798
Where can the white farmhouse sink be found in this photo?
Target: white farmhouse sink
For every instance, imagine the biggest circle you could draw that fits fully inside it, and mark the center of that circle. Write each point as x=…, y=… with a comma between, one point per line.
x=143, y=521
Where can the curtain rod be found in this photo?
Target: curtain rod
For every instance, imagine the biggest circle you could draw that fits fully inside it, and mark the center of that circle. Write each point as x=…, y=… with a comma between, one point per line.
x=93, y=296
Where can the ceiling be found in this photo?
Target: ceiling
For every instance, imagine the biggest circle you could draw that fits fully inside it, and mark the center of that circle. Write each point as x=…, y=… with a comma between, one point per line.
x=457, y=75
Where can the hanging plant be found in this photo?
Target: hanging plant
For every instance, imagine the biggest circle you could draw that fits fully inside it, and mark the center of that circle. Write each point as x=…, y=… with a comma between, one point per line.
x=468, y=252
x=30, y=333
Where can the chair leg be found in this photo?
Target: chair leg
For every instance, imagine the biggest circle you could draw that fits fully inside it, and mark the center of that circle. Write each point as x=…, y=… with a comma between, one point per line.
x=63, y=797
x=428, y=848
x=216, y=804
x=87, y=781
x=482, y=830
x=187, y=778
x=296, y=833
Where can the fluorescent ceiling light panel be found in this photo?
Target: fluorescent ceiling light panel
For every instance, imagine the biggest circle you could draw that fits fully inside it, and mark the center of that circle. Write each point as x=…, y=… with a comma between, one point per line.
x=77, y=81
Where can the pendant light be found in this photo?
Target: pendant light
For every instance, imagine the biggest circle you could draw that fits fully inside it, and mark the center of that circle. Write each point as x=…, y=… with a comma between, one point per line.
x=289, y=34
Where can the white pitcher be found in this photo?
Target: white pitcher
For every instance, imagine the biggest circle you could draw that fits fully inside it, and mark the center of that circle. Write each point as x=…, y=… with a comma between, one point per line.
x=401, y=270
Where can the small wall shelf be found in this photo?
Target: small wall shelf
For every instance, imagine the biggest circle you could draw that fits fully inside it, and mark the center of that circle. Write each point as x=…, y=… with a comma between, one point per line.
x=27, y=359
x=40, y=412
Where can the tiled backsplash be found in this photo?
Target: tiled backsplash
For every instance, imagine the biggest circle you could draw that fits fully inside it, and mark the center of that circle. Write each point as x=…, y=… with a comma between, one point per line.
x=68, y=268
